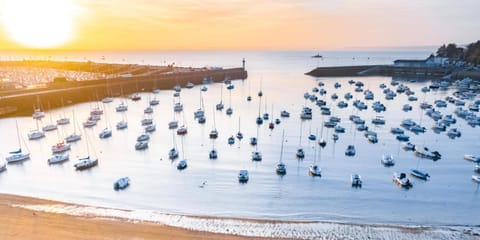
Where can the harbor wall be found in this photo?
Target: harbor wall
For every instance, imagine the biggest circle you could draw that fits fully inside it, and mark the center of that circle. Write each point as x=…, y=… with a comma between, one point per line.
x=22, y=102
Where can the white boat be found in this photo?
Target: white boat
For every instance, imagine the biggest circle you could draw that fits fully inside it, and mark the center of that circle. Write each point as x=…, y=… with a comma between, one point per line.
x=150, y=128
x=140, y=145
x=85, y=163
x=378, y=120
x=58, y=158
x=49, y=127
x=419, y=174
x=190, y=85
x=60, y=147
x=407, y=107
x=256, y=156
x=231, y=140
x=35, y=134
x=177, y=88
x=122, y=107
x=402, y=180
x=121, y=183
x=243, y=176
x=284, y=114
x=439, y=126
x=204, y=88
x=403, y=137
x=143, y=137
x=388, y=160
x=426, y=153
x=417, y=129
x=178, y=107
x=172, y=153
x=253, y=141
x=63, y=121
x=356, y=180
x=281, y=168
x=107, y=100
x=477, y=168
x=38, y=114
x=476, y=178
x=18, y=155
x=472, y=158
x=105, y=133
x=350, y=151
x=146, y=121
x=154, y=102
x=122, y=125
x=89, y=123
x=315, y=171
x=148, y=110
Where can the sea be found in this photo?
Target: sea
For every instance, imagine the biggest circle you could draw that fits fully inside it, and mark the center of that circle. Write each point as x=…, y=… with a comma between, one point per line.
x=211, y=188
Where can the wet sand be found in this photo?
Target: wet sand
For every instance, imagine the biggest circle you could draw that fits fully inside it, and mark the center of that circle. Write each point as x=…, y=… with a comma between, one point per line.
x=21, y=223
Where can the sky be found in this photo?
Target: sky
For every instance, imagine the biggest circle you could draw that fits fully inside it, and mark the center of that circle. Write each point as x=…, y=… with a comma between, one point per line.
x=250, y=24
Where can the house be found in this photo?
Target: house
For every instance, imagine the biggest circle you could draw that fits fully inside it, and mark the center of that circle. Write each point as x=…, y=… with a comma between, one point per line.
x=431, y=61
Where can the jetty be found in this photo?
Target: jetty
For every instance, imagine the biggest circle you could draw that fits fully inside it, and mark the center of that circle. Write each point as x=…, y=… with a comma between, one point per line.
x=22, y=99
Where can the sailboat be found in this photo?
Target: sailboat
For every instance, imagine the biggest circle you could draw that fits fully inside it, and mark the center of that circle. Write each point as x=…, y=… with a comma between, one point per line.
x=315, y=170
x=18, y=155
x=249, y=98
x=50, y=126
x=239, y=133
x=36, y=133
x=64, y=120
x=182, y=130
x=183, y=163
x=220, y=105
x=37, y=113
x=88, y=161
x=271, y=125
x=122, y=124
x=107, y=131
x=260, y=93
x=200, y=113
x=214, y=133
x=281, y=168
x=60, y=146
x=300, y=153
x=259, y=120
x=322, y=141
x=213, y=153
x=229, y=109
x=265, y=115
x=256, y=155
x=74, y=136
x=173, y=153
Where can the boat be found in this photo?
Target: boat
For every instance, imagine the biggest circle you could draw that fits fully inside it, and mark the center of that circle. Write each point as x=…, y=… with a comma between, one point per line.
x=190, y=85
x=439, y=126
x=58, y=158
x=172, y=153
x=284, y=114
x=396, y=130
x=472, y=158
x=135, y=97
x=306, y=113
x=150, y=128
x=122, y=107
x=107, y=100
x=253, y=141
x=426, y=153
x=243, y=176
x=350, y=151
x=182, y=164
x=213, y=154
x=476, y=178
x=408, y=146
x=140, y=145
x=148, y=110
x=312, y=137
x=147, y=121
x=89, y=123
x=256, y=156
x=315, y=171
x=85, y=163
x=403, y=137
x=18, y=155
x=356, y=180
x=339, y=129
x=122, y=125
x=281, y=168
x=239, y=133
x=419, y=174
x=388, y=160
x=407, y=107
x=231, y=140
x=334, y=138
x=220, y=105
x=63, y=121
x=178, y=107
x=60, y=147
x=143, y=137
x=182, y=130
x=402, y=180
x=317, y=56
x=38, y=114
x=3, y=166
x=121, y=183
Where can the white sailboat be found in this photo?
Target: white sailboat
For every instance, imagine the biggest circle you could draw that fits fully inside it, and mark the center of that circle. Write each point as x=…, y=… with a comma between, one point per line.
x=182, y=164
x=174, y=123
x=259, y=120
x=214, y=133
x=88, y=161
x=107, y=131
x=229, y=109
x=173, y=152
x=18, y=155
x=220, y=105
x=50, y=126
x=256, y=155
x=281, y=168
x=63, y=120
x=74, y=136
x=314, y=170
x=300, y=153
x=123, y=123
x=36, y=133
x=239, y=133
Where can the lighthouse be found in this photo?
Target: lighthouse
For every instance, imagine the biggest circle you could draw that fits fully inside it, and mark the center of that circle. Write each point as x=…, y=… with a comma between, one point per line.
x=243, y=63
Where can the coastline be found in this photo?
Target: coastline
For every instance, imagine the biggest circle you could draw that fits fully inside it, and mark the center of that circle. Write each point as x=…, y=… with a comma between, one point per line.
x=57, y=220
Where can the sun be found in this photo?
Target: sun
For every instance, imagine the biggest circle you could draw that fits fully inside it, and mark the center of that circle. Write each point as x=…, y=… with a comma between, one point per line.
x=39, y=23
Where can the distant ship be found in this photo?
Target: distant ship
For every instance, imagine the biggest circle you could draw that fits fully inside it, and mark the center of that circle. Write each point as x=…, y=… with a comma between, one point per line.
x=317, y=56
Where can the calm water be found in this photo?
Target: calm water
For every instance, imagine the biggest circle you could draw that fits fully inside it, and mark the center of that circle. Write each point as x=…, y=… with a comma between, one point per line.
x=450, y=197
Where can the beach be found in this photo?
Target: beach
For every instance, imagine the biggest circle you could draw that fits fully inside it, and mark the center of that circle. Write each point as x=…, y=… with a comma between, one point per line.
x=21, y=223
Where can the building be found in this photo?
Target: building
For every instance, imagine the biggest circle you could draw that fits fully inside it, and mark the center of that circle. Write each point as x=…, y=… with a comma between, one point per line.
x=431, y=61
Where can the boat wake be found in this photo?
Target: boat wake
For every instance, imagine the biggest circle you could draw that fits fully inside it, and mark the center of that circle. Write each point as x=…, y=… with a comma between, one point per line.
x=265, y=228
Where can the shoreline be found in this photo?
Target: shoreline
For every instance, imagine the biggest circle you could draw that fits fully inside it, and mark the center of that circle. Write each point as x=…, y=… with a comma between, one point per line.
x=53, y=217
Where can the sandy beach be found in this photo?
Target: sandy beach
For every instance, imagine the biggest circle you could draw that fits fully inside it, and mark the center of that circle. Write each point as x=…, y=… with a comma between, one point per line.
x=21, y=223
x=32, y=218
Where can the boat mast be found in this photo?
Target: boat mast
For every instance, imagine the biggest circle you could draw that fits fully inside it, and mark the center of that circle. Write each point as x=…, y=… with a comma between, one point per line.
x=283, y=140
x=18, y=135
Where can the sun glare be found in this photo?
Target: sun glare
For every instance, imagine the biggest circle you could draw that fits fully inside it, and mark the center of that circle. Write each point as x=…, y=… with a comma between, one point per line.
x=39, y=23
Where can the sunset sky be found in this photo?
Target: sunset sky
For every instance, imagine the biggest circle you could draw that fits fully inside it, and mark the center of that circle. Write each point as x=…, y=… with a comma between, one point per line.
x=234, y=24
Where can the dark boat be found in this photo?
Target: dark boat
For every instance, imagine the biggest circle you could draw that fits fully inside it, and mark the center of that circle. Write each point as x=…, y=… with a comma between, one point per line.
x=419, y=174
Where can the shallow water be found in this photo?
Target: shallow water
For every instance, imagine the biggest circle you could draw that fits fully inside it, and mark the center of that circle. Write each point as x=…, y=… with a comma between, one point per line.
x=449, y=197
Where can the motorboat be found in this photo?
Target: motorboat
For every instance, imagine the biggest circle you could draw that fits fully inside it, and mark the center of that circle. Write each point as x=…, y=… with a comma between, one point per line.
x=173, y=124
x=472, y=158
x=277, y=121
x=315, y=171
x=177, y=88
x=249, y=98
x=229, y=111
x=172, y=153
x=408, y=146
x=121, y=108
x=140, y=145
x=60, y=147
x=439, y=126
x=306, y=113
x=121, y=183
x=182, y=164
x=148, y=110
x=146, y=121
x=243, y=176
x=143, y=137
x=419, y=174
x=105, y=133
x=176, y=94
x=372, y=138
x=334, y=96
x=229, y=87
x=85, y=163
x=417, y=129
x=3, y=166
x=312, y=137
x=265, y=116
x=351, y=81
x=135, y=97
x=378, y=120
x=253, y=141
x=454, y=132
x=256, y=156
x=154, y=102
x=58, y=158
x=350, y=151
x=281, y=169
x=388, y=160
x=348, y=96
x=35, y=134
x=362, y=127
x=402, y=180
x=202, y=119
x=219, y=106
x=356, y=180
x=325, y=111
x=329, y=124
x=239, y=136
x=178, y=107
x=337, y=85
x=213, y=154
x=477, y=168
x=412, y=98
x=213, y=134
x=94, y=118
x=342, y=104
x=122, y=125
x=427, y=153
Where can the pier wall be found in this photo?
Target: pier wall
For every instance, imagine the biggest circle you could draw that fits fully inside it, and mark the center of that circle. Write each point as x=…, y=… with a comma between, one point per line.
x=22, y=102
x=379, y=70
